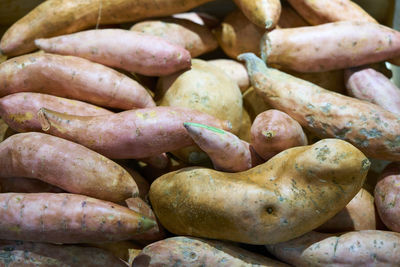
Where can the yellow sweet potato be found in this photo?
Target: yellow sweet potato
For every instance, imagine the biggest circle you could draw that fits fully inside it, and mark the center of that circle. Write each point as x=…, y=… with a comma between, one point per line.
x=263, y=13
x=235, y=70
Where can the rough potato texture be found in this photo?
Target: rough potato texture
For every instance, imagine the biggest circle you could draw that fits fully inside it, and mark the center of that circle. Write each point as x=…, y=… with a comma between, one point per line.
x=190, y=251
x=362, y=248
x=57, y=17
x=386, y=195
x=128, y=50
x=195, y=38
x=359, y=214
x=267, y=204
x=18, y=253
x=373, y=130
x=26, y=185
x=263, y=13
x=67, y=218
x=235, y=70
x=22, y=108
x=72, y=77
x=132, y=134
x=370, y=85
x=274, y=131
x=67, y=165
x=317, y=49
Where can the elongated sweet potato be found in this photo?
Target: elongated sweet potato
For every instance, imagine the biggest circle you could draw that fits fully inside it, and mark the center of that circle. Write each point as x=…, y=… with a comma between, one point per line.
x=263, y=13
x=274, y=131
x=235, y=70
x=195, y=38
x=361, y=248
x=26, y=185
x=146, y=54
x=67, y=218
x=72, y=77
x=67, y=165
x=267, y=204
x=369, y=85
x=190, y=251
x=316, y=49
x=57, y=17
x=18, y=253
x=369, y=127
x=130, y=134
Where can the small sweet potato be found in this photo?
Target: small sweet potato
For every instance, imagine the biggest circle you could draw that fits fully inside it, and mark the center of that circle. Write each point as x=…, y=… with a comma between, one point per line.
x=72, y=77
x=145, y=54
x=67, y=218
x=235, y=70
x=26, y=185
x=65, y=164
x=263, y=13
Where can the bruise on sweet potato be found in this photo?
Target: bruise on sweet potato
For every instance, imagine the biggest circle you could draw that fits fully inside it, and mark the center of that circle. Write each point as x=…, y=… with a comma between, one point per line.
x=67, y=218
x=263, y=13
x=373, y=130
x=72, y=77
x=65, y=164
x=26, y=185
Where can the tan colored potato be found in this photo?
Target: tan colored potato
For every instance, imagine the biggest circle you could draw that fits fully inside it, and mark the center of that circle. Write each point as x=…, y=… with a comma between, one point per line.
x=253, y=103
x=57, y=17
x=195, y=38
x=263, y=13
x=267, y=204
x=26, y=185
x=235, y=70
x=245, y=128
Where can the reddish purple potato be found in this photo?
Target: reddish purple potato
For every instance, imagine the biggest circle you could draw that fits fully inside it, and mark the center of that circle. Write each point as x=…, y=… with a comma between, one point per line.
x=367, y=84
x=274, y=131
x=128, y=50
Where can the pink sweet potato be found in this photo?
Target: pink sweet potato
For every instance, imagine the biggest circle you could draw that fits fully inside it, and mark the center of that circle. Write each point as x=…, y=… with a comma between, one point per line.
x=26, y=185
x=67, y=165
x=128, y=50
x=67, y=218
x=72, y=77
x=130, y=134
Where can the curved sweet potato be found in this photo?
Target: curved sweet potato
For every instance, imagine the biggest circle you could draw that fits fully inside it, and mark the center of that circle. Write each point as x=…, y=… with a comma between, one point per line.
x=263, y=13
x=67, y=165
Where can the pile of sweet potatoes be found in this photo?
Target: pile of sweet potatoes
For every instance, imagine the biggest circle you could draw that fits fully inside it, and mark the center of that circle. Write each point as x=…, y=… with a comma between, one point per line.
x=139, y=135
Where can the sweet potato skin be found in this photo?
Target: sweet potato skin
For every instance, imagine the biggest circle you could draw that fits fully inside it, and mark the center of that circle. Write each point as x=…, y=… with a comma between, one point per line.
x=270, y=202
x=355, y=44
x=235, y=70
x=264, y=14
x=74, y=78
x=67, y=165
x=67, y=218
x=146, y=54
x=26, y=185
x=57, y=17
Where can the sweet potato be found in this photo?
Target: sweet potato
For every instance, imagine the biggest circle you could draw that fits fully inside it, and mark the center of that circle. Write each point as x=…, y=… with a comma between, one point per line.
x=195, y=38
x=274, y=131
x=270, y=203
x=72, y=77
x=386, y=196
x=235, y=70
x=263, y=13
x=253, y=103
x=26, y=185
x=67, y=218
x=369, y=85
x=361, y=248
x=18, y=253
x=146, y=54
x=57, y=17
x=245, y=128
x=200, y=18
x=132, y=134
x=119, y=249
x=369, y=127
x=359, y=214
x=67, y=165
x=190, y=251
x=290, y=18
x=142, y=184
x=316, y=49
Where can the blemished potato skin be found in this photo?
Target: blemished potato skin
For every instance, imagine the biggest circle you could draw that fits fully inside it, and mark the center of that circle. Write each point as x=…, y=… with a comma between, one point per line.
x=191, y=251
x=132, y=134
x=263, y=13
x=359, y=214
x=67, y=218
x=19, y=253
x=273, y=131
x=22, y=108
x=72, y=77
x=353, y=44
x=369, y=85
x=386, y=196
x=65, y=164
x=146, y=54
x=325, y=11
x=195, y=38
x=326, y=114
x=26, y=185
x=269, y=202
x=58, y=17
x=359, y=248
